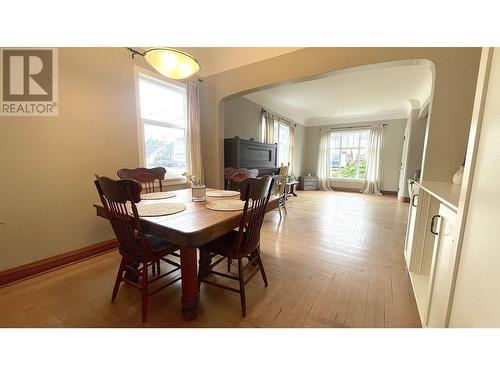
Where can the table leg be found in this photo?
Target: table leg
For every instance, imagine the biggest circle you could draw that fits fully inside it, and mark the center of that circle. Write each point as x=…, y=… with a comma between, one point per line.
x=190, y=297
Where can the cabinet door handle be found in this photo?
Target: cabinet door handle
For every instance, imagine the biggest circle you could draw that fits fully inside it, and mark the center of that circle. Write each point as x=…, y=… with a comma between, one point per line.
x=433, y=222
x=413, y=200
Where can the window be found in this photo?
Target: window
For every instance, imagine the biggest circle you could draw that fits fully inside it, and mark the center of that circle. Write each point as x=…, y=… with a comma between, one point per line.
x=263, y=129
x=282, y=138
x=163, y=119
x=348, y=150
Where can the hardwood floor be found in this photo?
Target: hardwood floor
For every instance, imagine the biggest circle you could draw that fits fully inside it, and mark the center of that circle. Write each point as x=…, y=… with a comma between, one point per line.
x=336, y=260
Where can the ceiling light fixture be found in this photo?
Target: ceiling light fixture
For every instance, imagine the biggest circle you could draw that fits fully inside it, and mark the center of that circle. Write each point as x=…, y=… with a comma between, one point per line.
x=169, y=62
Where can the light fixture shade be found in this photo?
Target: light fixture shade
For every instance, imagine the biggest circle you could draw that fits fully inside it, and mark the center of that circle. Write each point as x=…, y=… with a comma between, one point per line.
x=172, y=63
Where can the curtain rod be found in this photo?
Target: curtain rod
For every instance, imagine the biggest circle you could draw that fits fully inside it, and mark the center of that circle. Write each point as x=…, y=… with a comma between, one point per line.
x=291, y=122
x=351, y=127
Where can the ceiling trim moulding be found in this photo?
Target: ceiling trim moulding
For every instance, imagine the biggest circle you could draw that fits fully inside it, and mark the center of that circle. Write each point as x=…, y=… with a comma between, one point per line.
x=360, y=117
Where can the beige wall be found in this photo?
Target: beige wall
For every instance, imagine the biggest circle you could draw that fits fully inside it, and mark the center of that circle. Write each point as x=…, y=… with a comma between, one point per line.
x=242, y=118
x=390, y=154
x=455, y=71
x=476, y=301
x=48, y=163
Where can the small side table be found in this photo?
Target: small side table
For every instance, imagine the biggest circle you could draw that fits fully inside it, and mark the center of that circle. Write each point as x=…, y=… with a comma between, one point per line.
x=308, y=183
x=290, y=188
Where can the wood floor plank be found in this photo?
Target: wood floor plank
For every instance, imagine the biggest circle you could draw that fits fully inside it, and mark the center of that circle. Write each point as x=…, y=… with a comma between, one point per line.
x=335, y=260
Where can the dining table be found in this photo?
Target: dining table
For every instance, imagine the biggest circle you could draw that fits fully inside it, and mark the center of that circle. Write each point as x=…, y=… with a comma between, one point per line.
x=190, y=229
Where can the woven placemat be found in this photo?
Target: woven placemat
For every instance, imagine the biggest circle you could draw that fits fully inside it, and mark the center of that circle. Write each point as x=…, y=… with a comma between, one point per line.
x=222, y=193
x=226, y=205
x=158, y=195
x=160, y=209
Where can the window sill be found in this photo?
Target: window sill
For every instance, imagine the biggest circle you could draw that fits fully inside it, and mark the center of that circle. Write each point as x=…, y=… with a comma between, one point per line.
x=174, y=181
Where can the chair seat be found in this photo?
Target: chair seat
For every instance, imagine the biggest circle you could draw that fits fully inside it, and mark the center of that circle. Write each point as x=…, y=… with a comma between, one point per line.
x=159, y=244
x=224, y=245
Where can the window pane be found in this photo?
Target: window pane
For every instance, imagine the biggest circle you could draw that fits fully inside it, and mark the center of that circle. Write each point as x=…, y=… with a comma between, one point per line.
x=364, y=139
x=335, y=158
x=334, y=162
x=162, y=103
x=165, y=147
x=263, y=129
x=335, y=140
x=362, y=154
x=351, y=169
x=347, y=140
x=283, y=144
x=344, y=158
x=284, y=134
x=356, y=139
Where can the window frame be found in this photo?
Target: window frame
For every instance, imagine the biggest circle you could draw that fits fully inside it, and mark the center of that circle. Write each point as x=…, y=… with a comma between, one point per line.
x=140, y=73
x=276, y=124
x=353, y=130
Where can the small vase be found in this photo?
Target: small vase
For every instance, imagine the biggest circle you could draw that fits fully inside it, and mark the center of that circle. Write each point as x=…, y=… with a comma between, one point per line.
x=199, y=193
x=457, y=177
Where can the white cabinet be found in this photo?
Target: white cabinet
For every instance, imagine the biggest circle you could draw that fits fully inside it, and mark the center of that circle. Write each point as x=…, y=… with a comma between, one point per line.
x=430, y=251
x=443, y=265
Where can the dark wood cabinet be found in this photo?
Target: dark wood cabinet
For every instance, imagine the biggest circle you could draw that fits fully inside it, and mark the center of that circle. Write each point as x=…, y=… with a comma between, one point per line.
x=242, y=153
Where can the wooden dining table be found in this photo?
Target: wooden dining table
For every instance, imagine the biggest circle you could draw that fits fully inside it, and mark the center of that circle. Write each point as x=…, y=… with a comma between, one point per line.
x=190, y=229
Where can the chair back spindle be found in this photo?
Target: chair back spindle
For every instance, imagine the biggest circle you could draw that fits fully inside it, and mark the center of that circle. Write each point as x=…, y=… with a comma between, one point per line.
x=282, y=177
x=256, y=193
x=147, y=177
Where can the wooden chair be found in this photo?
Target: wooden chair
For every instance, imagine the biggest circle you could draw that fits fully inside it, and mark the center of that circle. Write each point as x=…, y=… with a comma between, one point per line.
x=138, y=250
x=145, y=176
x=280, y=189
x=242, y=243
x=236, y=175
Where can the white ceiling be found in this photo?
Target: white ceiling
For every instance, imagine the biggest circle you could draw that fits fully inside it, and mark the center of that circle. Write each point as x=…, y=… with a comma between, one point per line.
x=378, y=93
x=214, y=60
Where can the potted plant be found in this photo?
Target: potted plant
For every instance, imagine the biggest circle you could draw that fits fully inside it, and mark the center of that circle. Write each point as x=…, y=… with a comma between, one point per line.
x=199, y=191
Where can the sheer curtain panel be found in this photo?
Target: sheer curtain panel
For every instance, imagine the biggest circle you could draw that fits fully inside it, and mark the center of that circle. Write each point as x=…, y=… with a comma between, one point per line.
x=269, y=127
x=193, y=129
x=324, y=160
x=372, y=178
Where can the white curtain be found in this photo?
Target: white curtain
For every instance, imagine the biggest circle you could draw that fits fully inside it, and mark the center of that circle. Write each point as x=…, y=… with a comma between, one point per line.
x=291, y=150
x=269, y=127
x=193, y=129
x=372, y=178
x=324, y=160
